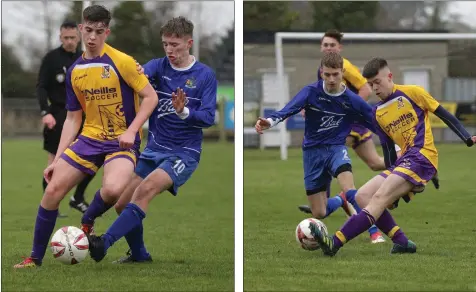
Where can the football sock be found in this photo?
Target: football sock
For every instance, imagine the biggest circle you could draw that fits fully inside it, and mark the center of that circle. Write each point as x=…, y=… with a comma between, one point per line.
x=45, y=224
x=350, y=196
x=95, y=209
x=354, y=226
x=135, y=240
x=389, y=227
x=131, y=217
x=81, y=188
x=333, y=204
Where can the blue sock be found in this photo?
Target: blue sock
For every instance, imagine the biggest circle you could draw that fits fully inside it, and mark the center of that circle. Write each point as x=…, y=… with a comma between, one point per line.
x=333, y=204
x=135, y=240
x=95, y=209
x=350, y=195
x=131, y=217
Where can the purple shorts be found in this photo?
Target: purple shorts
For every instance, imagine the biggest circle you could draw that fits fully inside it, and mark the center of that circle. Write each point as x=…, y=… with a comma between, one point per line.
x=413, y=167
x=88, y=155
x=360, y=135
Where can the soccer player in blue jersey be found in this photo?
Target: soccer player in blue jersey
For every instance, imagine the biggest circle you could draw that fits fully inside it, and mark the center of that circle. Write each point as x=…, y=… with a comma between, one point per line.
x=330, y=110
x=187, y=93
x=104, y=84
x=400, y=117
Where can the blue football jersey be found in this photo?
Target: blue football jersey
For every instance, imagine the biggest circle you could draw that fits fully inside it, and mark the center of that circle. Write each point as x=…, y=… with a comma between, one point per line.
x=328, y=117
x=167, y=130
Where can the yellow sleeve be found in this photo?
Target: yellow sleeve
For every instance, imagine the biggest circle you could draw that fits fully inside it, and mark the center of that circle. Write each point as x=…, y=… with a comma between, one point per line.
x=422, y=98
x=353, y=76
x=129, y=73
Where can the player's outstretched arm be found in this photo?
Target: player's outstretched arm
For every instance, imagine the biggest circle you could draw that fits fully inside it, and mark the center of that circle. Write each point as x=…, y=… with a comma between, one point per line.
x=454, y=124
x=204, y=116
x=362, y=112
x=296, y=104
x=426, y=101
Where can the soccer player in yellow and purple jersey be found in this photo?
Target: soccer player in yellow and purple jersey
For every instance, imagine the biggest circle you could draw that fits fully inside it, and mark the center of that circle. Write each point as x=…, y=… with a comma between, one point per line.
x=104, y=84
x=400, y=117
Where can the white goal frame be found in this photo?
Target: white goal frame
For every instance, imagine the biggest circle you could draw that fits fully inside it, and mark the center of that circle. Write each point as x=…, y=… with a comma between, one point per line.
x=280, y=36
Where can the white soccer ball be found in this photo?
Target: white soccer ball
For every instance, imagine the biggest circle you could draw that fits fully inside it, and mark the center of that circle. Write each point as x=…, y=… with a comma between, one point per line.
x=69, y=245
x=303, y=233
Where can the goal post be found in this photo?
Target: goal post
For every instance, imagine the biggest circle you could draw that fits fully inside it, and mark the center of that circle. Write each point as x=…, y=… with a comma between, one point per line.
x=281, y=36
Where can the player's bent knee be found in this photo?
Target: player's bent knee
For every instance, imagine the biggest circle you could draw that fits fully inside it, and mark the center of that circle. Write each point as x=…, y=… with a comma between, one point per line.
x=53, y=195
x=111, y=191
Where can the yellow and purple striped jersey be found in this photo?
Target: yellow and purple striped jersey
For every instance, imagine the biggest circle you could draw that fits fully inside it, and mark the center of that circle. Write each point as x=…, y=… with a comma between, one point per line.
x=106, y=89
x=403, y=117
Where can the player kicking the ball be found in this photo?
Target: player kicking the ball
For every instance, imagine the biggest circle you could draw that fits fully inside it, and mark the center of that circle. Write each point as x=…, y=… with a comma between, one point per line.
x=330, y=110
x=400, y=117
x=187, y=90
x=105, y=84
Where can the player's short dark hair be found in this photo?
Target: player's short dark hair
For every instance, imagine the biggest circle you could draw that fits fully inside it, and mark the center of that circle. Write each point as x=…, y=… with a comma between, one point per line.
x=97, y=13
x=374, y=66
x=332, y=60
x=333, y=33
x=68, y=24
x=178, y=27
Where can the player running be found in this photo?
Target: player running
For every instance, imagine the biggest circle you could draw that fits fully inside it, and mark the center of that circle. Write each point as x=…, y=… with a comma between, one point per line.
x=400, y=117
x=105, y=84
x=360, y=138
x=330, y=110
x=187, y=90
x=51, y=93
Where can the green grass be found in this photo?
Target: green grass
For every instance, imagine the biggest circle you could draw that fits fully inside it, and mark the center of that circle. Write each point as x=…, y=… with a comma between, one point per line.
x=189, y=236
x=441, y=222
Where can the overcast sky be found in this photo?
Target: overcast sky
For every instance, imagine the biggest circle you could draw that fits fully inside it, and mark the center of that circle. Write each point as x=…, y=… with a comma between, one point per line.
x=467, y=9
x=24, y=19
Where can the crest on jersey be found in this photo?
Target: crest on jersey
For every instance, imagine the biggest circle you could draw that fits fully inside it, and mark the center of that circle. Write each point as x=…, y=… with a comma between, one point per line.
x=106, y=71
x=191, y=83
x=400, y=103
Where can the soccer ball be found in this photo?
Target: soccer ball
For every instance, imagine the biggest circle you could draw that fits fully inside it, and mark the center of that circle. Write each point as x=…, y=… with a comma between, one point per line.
x=303, y=233
x=69, y=245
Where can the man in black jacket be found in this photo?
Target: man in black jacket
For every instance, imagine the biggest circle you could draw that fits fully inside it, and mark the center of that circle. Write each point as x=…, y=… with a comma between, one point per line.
x=51, y=93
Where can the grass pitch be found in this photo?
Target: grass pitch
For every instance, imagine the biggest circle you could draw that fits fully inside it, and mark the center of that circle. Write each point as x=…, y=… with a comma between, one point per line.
x=189, y=236
x=441, y=222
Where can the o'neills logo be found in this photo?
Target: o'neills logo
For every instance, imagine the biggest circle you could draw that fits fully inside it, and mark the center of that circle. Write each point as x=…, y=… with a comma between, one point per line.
x=402, y=121
x=100, y=93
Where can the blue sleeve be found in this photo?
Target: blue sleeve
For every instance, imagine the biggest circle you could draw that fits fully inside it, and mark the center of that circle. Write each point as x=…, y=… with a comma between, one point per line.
x=204, y=117
x=453, y=123
x=362, y=112
x=293, y=107
x=150, y=68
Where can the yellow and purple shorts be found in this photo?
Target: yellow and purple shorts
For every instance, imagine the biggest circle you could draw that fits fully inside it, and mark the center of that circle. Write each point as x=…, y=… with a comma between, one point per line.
x=88, y=155
x=360, y=134
x=414, y=168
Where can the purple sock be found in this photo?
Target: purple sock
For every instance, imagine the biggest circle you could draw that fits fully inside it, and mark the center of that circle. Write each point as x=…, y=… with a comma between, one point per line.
x=387, y=224
x=45, y=224
x=354, y=226
x=95, y=209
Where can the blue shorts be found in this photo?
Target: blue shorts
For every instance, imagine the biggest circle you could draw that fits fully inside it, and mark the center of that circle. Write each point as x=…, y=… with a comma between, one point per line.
x=320, y=166
x=178, y=166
